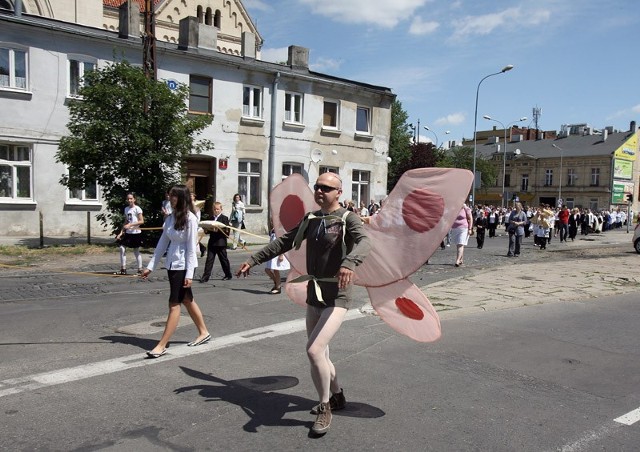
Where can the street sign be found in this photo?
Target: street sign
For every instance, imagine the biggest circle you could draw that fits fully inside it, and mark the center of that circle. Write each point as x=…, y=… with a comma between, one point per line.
x=172, y=84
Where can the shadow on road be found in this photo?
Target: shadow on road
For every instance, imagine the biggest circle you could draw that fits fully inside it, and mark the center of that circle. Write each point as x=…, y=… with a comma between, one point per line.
x=264, y=407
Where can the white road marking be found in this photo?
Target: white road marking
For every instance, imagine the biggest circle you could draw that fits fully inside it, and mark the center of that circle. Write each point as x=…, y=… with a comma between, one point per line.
x=630, y=418
x=56, y=377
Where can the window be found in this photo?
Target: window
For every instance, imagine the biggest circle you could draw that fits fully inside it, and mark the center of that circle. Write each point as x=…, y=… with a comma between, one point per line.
x=293, y=107
x=249, y=181
x=77, y=71
x=15, y=172
x=593, y=204
x=88, y=193
x=291, y=168
x=200, y=94
x=572, y=177
x=595, y=177
x=329, y=169
x=363, y=120
x=524, y=183
x=548, y=178
x=13, y=68
x=252, y=102
x=507, y=180
x=570, y=202
x=331, y=114
x=360, y=187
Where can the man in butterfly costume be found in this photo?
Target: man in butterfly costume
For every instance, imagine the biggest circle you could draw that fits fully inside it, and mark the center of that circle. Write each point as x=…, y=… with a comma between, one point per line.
x=398, y=240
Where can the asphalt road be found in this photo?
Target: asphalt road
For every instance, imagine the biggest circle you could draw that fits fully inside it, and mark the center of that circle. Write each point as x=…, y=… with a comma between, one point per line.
x=547, y=377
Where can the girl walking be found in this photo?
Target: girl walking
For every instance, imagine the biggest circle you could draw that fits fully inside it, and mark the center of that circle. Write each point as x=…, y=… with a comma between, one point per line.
x=179, y=238
x=130, y=236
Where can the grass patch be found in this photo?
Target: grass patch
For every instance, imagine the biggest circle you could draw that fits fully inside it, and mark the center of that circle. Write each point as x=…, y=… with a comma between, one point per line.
x=26, y=252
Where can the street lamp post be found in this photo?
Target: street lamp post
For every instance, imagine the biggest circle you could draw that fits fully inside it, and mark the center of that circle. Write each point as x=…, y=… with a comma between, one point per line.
x=416, y=132
x=504, y=151
x=475, y=129
x=433, y=132
x=560, y=178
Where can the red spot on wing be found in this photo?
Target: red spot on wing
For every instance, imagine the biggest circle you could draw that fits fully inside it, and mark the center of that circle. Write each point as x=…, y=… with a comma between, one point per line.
x=409, y=308
x=291, y=211
x=422, y=209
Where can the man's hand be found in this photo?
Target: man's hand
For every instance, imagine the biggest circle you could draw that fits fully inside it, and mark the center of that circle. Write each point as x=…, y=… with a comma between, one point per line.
x=345, y=277
x=244, y=270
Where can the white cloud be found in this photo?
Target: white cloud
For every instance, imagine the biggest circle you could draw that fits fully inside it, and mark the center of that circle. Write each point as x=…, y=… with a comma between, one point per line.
x=378, y=12
x=325, y=65
x=510, y=18
x=277, y=55
x=452, y=119
x=636, y=109
x=422, y=27
x=256, y=4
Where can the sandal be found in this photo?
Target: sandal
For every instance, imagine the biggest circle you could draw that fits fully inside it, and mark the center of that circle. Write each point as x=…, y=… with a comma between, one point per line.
x=123, y=271
x=276, y=290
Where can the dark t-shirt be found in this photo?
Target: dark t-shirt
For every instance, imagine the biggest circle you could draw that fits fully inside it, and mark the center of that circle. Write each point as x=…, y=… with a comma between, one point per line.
x=325, y=252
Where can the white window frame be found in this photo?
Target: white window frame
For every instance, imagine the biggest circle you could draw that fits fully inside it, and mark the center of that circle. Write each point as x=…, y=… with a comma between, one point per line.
x=290, y=168
x=548, y=178
x=329, y=169
x=83, y=198
x=524, y=182
x=572, y=177
x=250, y=181
x=335, y=126
x=9, y=155
x=82, y=62
x=360, y=186
x=293, y=107
x=367, y=111
x=8, y=82
x=252, y=107
x=595, y=177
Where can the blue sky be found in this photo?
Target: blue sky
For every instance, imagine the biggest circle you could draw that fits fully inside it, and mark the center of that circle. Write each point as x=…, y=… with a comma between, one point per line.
x=576, y=60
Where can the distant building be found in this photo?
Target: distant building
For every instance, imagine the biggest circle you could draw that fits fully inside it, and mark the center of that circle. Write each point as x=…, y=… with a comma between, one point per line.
x=269, y=120
x=578, y=168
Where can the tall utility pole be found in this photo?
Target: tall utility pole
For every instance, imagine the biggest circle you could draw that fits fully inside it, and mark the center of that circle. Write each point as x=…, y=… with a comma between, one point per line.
x=149, y=41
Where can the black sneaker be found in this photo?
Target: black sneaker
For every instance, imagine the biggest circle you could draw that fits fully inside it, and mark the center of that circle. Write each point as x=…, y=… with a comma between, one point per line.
x=336, y=403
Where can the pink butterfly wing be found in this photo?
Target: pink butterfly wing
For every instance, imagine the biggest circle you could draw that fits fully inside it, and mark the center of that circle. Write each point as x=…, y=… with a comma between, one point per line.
x=407, y=310
x=415, y=217
x=290, y=200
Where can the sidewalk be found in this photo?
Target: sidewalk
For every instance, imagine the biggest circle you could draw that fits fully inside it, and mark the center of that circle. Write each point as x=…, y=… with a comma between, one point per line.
x=519, y=284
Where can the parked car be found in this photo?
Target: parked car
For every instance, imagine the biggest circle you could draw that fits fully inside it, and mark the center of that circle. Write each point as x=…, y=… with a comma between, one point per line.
x=636, y=238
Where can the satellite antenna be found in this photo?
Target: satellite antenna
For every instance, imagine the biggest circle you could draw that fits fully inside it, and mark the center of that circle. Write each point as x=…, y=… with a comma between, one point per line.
x=316, y=155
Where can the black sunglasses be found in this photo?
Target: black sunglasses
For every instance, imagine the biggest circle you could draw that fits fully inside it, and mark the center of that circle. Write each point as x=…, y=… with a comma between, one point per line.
x=324, y=188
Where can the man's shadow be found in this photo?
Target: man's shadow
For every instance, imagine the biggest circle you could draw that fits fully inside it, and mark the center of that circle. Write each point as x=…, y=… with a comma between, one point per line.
x=258, y=399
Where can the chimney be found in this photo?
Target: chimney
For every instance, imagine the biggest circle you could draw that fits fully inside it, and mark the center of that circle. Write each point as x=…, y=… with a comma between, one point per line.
x=633, y=127
x=605, y=134
x=129, y=26
x=248, y=45
x=194, y=35
x=298, y=57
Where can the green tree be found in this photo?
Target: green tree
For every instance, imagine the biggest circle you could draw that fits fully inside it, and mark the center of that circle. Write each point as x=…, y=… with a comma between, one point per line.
x=399, y=144
x=128, y=133
x=462, y=157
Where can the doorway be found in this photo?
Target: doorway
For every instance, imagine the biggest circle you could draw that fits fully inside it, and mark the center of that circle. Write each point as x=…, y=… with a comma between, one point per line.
x=201, y=180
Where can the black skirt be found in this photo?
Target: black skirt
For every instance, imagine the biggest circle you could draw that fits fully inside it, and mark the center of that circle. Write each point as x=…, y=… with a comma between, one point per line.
x=131, y=240
x=178, y=293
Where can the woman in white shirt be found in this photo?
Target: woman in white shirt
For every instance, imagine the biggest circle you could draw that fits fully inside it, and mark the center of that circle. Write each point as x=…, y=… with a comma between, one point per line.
x=130, y=236
x=179, y=239
x=236, y=219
